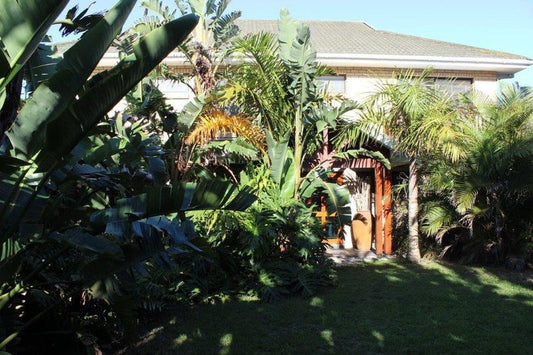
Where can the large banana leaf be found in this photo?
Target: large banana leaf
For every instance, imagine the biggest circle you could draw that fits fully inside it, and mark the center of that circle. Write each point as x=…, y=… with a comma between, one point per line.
x=164, y=200
x=53, y=97
x=20, y=204
x=288, y=30
x=338, y=196
x=282, y=165
x=79, y=239
x=104, y=90
x=42, y=64
x=299, y=57
x=190, y=112
x=22, y=26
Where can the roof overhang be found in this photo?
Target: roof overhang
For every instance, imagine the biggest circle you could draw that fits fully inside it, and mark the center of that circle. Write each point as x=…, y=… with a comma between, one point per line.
x=502, y=66
x=498, y=65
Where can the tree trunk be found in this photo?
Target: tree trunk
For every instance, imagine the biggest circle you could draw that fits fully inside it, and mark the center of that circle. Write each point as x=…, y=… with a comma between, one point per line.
x=413, y=253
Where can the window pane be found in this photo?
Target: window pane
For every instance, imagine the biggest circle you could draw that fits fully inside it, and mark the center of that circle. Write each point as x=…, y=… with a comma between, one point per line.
x=334, y=84
x=454, y=86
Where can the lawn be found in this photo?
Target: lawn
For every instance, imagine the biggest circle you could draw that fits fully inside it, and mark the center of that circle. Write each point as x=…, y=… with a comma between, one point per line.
x=384, y=307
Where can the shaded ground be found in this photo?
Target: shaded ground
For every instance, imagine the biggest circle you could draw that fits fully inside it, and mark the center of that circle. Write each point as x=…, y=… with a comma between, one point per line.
x=381, y=307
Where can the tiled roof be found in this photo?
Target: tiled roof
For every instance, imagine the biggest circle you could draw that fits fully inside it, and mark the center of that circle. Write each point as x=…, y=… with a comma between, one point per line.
x=342, y=37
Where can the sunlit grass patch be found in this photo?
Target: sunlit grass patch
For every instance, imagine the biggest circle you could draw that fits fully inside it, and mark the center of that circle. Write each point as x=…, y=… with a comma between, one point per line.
x=377, y=308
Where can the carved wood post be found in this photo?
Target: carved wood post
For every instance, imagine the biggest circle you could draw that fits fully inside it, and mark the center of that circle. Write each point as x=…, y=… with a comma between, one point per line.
x=388, y=212
x=378, y=171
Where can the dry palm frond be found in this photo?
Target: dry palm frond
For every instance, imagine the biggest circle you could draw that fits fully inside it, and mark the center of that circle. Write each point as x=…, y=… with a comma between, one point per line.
x=213, y=123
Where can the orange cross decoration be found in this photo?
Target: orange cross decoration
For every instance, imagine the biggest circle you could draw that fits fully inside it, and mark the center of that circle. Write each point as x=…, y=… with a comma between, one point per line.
x=324, y=215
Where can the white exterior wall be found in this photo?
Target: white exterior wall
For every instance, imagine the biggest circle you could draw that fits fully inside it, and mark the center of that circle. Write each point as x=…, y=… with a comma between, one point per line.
x=487, y=88
x=361, y=82
x=359, y=88
x=176, y=94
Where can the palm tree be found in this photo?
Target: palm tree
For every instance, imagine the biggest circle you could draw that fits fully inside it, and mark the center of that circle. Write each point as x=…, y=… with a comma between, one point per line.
x=401, y=109
x=212, y=123
x=204, y=50
x=487, y=187
x=212, y=36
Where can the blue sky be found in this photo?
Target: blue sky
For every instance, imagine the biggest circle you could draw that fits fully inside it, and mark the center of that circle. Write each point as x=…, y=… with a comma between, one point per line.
x=494, y=24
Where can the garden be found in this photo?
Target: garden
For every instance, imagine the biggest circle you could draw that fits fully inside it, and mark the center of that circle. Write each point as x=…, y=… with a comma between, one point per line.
x=195, y=230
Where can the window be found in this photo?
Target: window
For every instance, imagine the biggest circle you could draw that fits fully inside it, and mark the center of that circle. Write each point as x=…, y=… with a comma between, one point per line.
x=454, y=87
x=334, y=84
x=173, y=90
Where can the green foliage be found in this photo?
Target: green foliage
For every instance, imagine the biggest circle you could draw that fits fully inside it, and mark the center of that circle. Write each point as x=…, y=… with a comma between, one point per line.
x=31, y=20
x=278, y=86
x=274, y=249
x=50, y=253
x=205, y=50
x=76, y=23
x=53, y=96
x=282, y=169
x=485, y=193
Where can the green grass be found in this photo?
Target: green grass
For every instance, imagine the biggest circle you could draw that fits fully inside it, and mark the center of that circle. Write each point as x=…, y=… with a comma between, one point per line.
x=385, y=307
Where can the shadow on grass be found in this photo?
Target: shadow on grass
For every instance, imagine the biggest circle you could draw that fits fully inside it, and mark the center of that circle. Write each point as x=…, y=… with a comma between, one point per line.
x=377, y=308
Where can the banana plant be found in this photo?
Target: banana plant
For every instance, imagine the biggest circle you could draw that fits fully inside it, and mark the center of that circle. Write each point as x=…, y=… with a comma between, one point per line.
x=278, y=85
x=53, y=122
x=23, y=24
x=31, y=20
x=214, y=32
x=61, y=113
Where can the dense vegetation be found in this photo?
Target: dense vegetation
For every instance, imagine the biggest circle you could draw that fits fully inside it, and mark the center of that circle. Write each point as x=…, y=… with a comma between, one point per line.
x=105, y=218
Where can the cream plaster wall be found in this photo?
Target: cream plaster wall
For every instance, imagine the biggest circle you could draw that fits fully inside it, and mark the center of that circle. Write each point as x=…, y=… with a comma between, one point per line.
x=361, y=82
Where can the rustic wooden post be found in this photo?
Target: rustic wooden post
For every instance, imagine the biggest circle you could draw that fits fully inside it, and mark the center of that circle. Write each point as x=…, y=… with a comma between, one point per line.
x=378, y=171
x=388, y=212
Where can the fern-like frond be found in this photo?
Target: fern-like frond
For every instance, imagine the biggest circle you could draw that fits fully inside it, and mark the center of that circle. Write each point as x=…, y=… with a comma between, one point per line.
x=212, y=124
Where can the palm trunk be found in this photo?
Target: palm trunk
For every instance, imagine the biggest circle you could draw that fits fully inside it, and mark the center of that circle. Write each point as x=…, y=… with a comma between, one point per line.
x=413, y=253
x=298, y=150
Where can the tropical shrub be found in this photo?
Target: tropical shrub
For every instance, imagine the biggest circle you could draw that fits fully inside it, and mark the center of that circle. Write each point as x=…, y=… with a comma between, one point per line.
x=481, y=204
x=86, y=213
x=277, y=85
x=272, y=250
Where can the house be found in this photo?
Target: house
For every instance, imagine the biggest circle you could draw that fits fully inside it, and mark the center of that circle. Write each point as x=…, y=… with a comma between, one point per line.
x=362, y=56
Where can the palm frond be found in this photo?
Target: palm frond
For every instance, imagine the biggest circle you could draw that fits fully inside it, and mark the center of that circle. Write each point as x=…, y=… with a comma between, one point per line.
x=80, y=23
x=361, y=152
x=158, y=8
x=225, y=27
x=212, y=124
